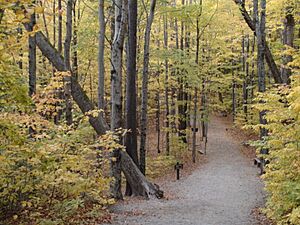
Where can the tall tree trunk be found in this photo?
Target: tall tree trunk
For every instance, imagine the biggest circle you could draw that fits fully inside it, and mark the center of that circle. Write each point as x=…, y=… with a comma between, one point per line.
x=75, y=41
x=181, y=93
x=174, y=72
x=288, y=40
x=101, y=47
x=131, y=123
x=260, y=33
x=246, y=80
x=32, y=57
x=167, y=86
x=158, y=118
x=59, y=39
x=144, y=118
x=116, y=90
x=233, y=97
x=196, y=89
x=67, y=53
x=195, y=125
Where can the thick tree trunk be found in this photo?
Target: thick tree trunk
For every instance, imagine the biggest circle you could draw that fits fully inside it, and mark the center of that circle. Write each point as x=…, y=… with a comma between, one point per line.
x=32, y=57
x=269, y=57
x=138, y=183
x=101, y=47
x=116, y=89
x=143, y=123
x=131, y=122
x=67, y=53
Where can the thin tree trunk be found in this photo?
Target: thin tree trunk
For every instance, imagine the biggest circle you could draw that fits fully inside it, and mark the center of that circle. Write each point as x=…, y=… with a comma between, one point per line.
x=131, y=123
x=101, y=47
x=144, y=118
x=233, y=97
x=75, y=42
x=158, y=118
x=195, y=125
x=59, y=39
x=67, y=53
x=246, y=80
x=20, y=61
x=196, y=89
x=174, y=72
x=167, y=87
x=181, y=93
x=32, y=57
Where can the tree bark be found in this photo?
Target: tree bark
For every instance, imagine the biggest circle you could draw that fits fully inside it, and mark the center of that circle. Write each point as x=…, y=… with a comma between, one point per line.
x=116, y=90
x=260, y=33
x=101, y=47
x=181, y=93
x=59, y=39
x=75, y=41
x=195, y=125
x=158, y=118
x=269, y=57
x=32, y=57
x=67, y=53
x=167, y=86
x=246, y=79
x=131, y=122
x=144, y=118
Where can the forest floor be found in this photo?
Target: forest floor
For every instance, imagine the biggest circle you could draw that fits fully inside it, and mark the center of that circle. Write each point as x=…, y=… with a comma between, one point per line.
x=223, y=191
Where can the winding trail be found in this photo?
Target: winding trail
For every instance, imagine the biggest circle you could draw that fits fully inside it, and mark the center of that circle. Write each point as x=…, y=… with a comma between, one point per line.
x=221, y=192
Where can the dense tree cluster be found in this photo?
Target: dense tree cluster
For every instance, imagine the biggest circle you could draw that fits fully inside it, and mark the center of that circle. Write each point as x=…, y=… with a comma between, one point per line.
x=82, y=81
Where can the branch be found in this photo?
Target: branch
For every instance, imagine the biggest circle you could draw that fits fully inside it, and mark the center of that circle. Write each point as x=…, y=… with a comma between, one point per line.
x=269, y=57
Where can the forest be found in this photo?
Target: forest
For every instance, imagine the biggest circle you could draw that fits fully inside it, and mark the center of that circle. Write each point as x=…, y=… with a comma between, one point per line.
x=100, y=98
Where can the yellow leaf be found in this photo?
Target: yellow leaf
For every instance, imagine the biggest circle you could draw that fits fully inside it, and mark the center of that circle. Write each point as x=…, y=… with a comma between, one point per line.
x=39, y=9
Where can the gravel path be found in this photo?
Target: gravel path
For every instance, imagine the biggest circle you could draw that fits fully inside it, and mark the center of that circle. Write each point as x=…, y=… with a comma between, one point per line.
x=222, y=192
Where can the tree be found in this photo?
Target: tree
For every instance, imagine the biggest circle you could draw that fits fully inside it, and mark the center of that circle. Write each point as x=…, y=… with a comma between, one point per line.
x=131, y=121
x=269, y=57
x=116, y=90
x=144, y=110
x=32, y=57
x=101, y=47
x=67, y=53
